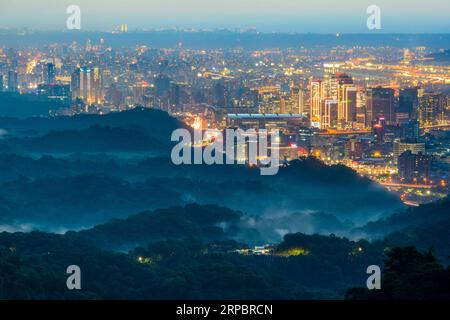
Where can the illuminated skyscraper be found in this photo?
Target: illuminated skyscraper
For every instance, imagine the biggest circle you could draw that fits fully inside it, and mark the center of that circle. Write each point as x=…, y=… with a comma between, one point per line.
x=330, y=70
x=361, y=108
x=329, y=114
x=49, y=73
x=297, y=100
x=346, y=105
x=13, y=84
x=339, y=87
x=86, y=85
x=123, y=28
x=316, y=101
x=414, y=167
x=408, y=100
x=402, y=146
x=431, y=108
x=380, y=104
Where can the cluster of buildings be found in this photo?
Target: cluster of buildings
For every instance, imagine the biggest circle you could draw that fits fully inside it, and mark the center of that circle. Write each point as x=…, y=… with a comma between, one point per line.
x=382, y=111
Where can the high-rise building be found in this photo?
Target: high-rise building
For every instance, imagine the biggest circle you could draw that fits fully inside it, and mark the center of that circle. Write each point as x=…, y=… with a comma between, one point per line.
x=49, y=73
x=297, y=100
x=336, y=86
x=353, y=149
x=329, y=114
x=221, y=95
x=402, y=146
x=380, y=104
x=329, y=72
x=55, y=92
x=341, y=88
x=346, y=105
x=123, y=28
x=410, y=131
x=1, y=83
x=86, y=85
x=414, y=167
x=13, y=84
x=431, y=109
x=316, y=101
x=361, y=109
x=408, y=100
x=269, y=99
x=162, y=84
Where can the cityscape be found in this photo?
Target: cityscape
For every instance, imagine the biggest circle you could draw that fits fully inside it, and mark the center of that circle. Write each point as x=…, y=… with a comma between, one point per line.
x=94, y=205
x=384, y=112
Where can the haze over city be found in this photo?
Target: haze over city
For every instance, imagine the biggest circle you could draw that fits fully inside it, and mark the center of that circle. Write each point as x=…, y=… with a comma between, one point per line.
x=319, y=16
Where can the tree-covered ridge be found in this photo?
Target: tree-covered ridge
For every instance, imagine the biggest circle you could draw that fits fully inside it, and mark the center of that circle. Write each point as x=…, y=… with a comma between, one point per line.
x=34, y=267
x=192, y=248
x=408, y=275
x=422, y=216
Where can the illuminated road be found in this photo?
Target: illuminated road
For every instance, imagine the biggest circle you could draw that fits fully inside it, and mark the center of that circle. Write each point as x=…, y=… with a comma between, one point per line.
x=344, y=132
x=447, y=125
x=406, y=185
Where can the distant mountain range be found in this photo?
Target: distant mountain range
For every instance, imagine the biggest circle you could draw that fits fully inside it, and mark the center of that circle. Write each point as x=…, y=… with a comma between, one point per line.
x=225, y=39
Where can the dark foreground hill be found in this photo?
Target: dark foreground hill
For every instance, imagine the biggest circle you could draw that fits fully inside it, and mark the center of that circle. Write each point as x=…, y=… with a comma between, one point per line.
x=189, y=255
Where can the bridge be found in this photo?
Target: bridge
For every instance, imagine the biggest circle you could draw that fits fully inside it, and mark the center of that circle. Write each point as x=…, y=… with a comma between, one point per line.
x=344, y=132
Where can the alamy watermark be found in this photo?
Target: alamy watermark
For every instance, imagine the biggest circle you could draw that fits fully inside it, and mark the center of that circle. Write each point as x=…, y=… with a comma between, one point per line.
x=74, y=280
x=374, y=19
x=374, y=280
x=73, y=22
x=236, y=146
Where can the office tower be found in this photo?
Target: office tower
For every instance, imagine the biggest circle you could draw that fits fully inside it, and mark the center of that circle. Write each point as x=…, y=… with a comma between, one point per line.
x=336, y=80
x=269, y=99
x=361, y=109
x=86, y=85
x=408, y=100
x=344, y=91
x=55, y=92
x=301, y=101
x=316, y=101
x=402, y=146
x=414, y=167
x=346, y=105
x=175, y=94
x=329, y=71
x=123, y=28
x=49, y=73
x=13, y=84
x=431, y=108
x=337, y=86
x=407, y=107
x=220, y=95
x=353, y=149
x=282, y=106
x=162, y=84
x=297, y=100
x=247, y=98
x=113, y=95
x=410, y=131
x=380, y=104
x=329, y=114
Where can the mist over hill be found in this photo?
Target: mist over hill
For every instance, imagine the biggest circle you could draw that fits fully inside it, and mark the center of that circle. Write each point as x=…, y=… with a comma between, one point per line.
x=60, y=173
